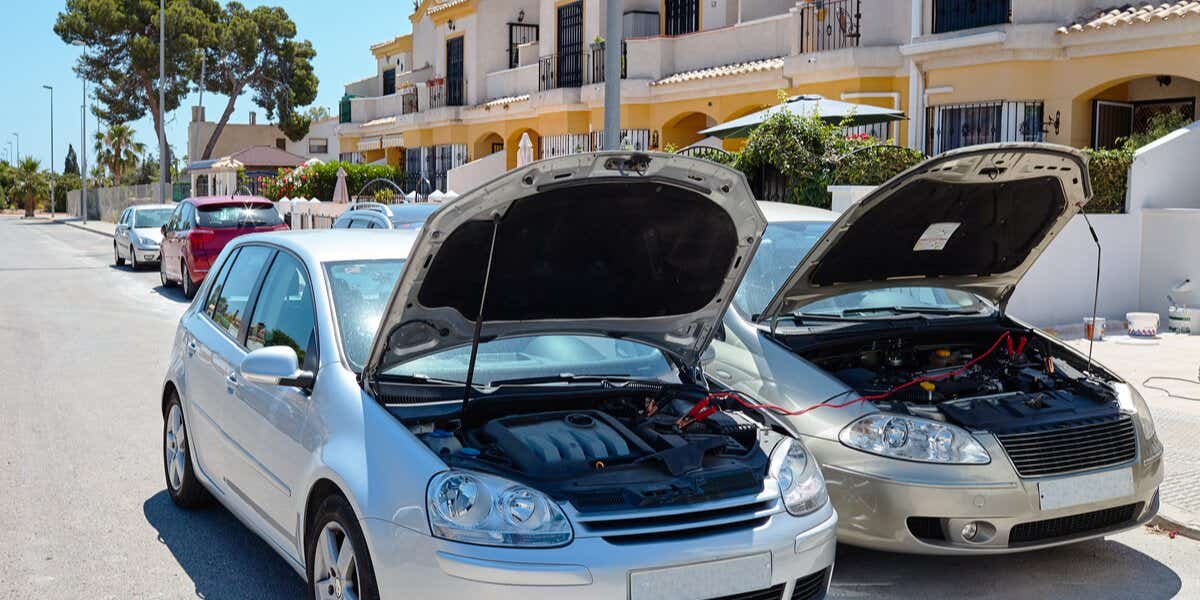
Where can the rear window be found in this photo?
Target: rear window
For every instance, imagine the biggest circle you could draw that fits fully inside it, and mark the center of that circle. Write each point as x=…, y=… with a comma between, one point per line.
x=237, y=215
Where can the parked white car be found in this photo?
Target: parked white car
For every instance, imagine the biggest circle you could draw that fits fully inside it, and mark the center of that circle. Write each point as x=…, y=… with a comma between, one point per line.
x=507, y=404
x=943, y=425
x=138, y=235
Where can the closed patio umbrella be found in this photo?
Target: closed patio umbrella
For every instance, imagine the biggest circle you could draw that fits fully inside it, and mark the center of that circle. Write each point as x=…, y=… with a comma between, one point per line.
x=524, y=150
x=831, y=111
x=340, y=193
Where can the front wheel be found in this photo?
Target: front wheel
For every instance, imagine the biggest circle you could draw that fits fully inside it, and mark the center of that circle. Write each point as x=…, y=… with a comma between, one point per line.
x=133, y=263
x=189, y=287
x=182, y=485
x=117, y=260
x=339, y=565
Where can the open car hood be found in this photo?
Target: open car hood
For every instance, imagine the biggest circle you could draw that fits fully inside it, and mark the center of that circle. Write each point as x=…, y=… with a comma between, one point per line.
x=974, y=219
x=647, y=247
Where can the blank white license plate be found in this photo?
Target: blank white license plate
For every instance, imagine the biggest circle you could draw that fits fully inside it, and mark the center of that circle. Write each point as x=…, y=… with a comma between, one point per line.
x=1085, y=489
x=703, y=580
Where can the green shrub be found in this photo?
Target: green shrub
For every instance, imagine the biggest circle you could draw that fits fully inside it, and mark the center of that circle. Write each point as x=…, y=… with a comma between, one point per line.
x=874, y=164
x=319, y=181
x=1109, y=170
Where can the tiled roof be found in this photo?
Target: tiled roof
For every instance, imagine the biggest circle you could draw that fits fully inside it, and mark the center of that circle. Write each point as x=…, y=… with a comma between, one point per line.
x=440, y=6
x=754, y=66
x=1133, y=14
x=503, y=101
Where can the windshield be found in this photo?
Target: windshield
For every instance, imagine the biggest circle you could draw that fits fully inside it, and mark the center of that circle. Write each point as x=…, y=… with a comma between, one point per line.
x=885, y=302
x=236, y=215
x=545, y=356
x=783, y=247
x=151, y=217
x=360, y=292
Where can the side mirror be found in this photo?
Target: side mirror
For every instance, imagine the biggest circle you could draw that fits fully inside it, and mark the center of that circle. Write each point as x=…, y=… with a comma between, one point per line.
x=276, y=365
x=163, y=229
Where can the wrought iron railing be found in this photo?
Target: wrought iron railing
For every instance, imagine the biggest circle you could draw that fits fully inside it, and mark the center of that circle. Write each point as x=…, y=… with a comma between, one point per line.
x=408, y=102
x=956, y=15
x=447, y=92
x=830, y=25
x=708, y=153
x=951, y=126
x=561, y=70
x=518, y=34
x=596, y=72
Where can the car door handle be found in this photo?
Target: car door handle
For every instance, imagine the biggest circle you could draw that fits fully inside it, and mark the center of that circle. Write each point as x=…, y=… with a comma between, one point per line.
x=231, y=382
x=192, y=347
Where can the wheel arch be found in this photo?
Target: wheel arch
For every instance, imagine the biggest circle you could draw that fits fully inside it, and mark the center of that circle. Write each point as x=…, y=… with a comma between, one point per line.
x=169, y=390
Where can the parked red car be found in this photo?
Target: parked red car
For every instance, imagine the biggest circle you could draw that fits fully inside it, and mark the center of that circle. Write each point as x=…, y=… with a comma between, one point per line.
x=200, y=228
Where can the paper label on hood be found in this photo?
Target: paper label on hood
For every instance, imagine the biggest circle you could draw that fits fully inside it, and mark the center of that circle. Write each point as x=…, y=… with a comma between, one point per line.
x=935, y=237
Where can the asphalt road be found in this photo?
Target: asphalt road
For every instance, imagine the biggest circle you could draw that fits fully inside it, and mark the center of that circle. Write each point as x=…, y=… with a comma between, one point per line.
x=84, y=513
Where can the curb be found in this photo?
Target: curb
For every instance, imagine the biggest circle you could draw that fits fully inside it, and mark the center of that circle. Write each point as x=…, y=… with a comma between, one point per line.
x=85, y=228
x=1173, y=519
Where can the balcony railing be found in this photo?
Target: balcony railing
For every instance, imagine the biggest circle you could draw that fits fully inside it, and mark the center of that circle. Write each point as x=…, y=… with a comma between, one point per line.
x=447, y=92
x=957, y=15
x=830, y=25
x=576, y=69
x=596, y=72
x=408, y=102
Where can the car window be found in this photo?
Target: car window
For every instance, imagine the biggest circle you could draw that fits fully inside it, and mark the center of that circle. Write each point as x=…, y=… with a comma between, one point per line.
x=283, y=313
x=150, y=217
x=185, y=218
x=783, y=246
x=229, y=310
x=174, y=218
x=238, y=215
x=360, y=291
x=125, y=217
x=218, y=281
x=359, y=223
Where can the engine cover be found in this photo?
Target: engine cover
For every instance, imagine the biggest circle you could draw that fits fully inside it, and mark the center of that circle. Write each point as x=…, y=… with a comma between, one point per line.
x=547, y=442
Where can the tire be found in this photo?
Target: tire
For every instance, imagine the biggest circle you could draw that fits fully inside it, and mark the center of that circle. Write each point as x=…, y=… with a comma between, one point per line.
x=117, y=260
x=162, y=275
x=183, y=487
x=189, y=288
x=336, y=520
x=133, y=263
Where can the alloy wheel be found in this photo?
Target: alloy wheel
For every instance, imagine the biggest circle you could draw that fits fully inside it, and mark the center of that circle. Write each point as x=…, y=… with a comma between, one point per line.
x=175, y=447
x=335, y=568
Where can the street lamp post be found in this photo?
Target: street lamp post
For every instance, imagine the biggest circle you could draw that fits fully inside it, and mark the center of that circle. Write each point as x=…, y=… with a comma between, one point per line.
x=83, y=172
x=163, y=173
x=52, y=198
x=18, y=136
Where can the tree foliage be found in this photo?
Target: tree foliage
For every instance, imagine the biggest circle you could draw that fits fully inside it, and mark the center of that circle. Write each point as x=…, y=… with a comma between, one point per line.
x=71, y=164
x=1109, y=168
x=256, y=51
x=121, y=52
x=29, y=183
x=117, y=151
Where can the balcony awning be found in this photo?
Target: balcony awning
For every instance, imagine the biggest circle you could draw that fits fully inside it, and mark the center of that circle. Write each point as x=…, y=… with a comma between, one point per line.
x=371, y=143
x=393, y=141
x=831, y=111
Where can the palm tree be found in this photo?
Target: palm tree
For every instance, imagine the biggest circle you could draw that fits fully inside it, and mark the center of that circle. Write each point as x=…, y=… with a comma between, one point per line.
x=117, y=150
x=29, y=182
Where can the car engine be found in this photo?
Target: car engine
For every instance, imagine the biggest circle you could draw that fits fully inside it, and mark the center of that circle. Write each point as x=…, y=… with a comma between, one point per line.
x=974, y=380
x=604, y=451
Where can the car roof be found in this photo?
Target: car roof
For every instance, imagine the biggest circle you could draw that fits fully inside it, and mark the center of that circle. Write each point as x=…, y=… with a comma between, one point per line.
x=412, y=210
x=334, y=245
x=205, y=200
x=782, y=212
x=138, y=207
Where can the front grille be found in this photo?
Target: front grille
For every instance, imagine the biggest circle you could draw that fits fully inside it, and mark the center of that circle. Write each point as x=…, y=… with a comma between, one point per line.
x=811, y=587
x=927, y=528
x=679, y=521
x=1040, y=531
x=774, y=592
x=1073, y=446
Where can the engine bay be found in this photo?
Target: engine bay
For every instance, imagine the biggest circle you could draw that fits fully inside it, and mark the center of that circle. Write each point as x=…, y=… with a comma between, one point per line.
x=611, y=449
x=998, y=380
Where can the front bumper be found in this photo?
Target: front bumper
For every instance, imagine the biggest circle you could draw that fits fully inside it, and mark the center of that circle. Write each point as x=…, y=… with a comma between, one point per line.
x=876, y=498
x=146, y=255
x=410, y=564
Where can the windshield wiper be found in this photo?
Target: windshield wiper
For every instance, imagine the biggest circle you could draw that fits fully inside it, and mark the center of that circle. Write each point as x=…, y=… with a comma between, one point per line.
x=920, y=310
x=418, y=379
x=571, y=378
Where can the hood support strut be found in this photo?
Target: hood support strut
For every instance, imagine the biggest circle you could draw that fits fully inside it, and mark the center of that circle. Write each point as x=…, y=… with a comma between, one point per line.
x=487, y=275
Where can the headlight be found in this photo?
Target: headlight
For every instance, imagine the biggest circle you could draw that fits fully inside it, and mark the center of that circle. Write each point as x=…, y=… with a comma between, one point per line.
x=1129, y=399
x=482, y=509
x=911, y=438
x=142, y=242
x=800, y=483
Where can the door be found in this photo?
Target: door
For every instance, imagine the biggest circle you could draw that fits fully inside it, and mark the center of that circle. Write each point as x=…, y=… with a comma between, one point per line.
x=121, y=234
x=268, y=420
x=183, y=241
x=219, y=350
x=1111, y=121
x=455, y=88
x=169, y=248
x=570, y=45
x=683, y=16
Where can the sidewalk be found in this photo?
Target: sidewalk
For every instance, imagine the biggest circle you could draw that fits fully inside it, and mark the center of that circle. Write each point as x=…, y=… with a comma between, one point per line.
x=94, y=226
x=1176, y=420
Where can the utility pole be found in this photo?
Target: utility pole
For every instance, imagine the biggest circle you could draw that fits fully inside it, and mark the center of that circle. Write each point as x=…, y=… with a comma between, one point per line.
x=163, y=171
x=83, y=168
x=612, y=77
x=51, y=88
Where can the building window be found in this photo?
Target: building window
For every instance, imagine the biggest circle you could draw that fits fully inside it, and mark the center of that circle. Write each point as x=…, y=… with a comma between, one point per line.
x=318, y=145
x=389, y=82
x=683, y=17
x=345, y=112
x=355, y=158
x=956, y=125
x=956, y=15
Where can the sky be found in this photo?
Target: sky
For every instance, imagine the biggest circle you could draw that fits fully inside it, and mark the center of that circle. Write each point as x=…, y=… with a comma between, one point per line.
x=342, y=33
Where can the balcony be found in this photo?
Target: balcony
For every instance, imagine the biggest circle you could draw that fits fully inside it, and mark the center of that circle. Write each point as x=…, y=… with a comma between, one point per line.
x=769, y=37
x=446, y=92
x=830, y=25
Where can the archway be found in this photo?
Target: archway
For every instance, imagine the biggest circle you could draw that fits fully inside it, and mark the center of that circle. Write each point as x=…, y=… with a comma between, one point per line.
x=513, y=143
x=684, y=130
x=486, y=145
x=1111, y=111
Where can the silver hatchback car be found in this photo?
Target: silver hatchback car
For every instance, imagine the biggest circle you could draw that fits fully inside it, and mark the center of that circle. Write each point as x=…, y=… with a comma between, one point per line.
x=507, y=404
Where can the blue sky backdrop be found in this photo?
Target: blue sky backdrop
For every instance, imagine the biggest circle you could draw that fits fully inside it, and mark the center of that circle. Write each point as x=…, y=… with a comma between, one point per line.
x=342, y=33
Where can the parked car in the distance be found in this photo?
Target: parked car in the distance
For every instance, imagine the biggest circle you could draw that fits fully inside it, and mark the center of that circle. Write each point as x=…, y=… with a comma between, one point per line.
x=943, y=424
x=200, y=227
x=391, y=440
x=139, y=233
x=375, y=215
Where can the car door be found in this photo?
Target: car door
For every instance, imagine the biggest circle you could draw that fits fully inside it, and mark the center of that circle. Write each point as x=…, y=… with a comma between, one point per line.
x=169, y=248
x=217, y=347
x=187, y=220
x=271, y=418
x=121, y=233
